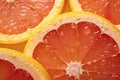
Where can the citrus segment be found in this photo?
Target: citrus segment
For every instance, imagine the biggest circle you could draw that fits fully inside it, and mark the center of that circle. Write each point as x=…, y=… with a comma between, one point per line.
x=88, y=34
x=46, y=52
x=10, y=73
x=20, y=74
x=15, y=66
x=106, y=8
x=76, y=45
x=97, y=76
x=107, y=65
x=19, y=18
x=104, y=47
x=57, y=73
x=107, y=68
x=5, y=68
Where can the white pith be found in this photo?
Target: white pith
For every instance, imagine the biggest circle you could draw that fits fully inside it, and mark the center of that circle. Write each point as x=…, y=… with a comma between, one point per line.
x=105, y=26
x=74, y=69
x=20, y=63
x=17, y=38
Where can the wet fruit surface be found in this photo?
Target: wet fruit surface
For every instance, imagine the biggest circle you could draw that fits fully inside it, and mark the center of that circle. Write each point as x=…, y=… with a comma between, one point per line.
x=106, y=8
x=9, y=72
x=79, y=51
x=16, y=16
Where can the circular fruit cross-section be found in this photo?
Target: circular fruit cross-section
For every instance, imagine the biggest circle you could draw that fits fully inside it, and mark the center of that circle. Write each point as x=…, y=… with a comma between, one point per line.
x=106, y=8
x=19, y=17
x=16, y=66
x=77, y=46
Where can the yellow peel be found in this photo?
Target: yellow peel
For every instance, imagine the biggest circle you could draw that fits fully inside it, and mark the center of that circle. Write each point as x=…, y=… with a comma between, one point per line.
x=24, y=62
x=76, y=7
x=18, y=38
x=105, y=26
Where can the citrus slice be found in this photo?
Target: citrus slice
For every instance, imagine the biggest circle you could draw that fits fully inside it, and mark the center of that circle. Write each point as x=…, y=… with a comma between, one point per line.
x=14, y=66
x=18, y=18
x=106, y=8
x=77, y=46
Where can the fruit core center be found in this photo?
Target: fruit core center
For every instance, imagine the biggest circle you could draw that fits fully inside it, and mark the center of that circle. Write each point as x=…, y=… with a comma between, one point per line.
x=9, y=0
x=74, y=69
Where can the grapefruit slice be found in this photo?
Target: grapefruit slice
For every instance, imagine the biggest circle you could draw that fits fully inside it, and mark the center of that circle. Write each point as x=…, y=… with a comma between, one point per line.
x=77, y=46
x=18, y=18
x=106, y=8
x=14, y=66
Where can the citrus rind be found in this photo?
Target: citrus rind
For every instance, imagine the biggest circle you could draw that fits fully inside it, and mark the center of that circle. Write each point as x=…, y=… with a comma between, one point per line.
x=17, y=38
x=24, y=62
x=106, y=27
x=76, y=7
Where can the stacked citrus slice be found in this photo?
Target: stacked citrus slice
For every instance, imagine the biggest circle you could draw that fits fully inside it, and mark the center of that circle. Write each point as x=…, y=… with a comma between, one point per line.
x=106, y=8
x=15, y=66
x=77, y=46
x=18, y=18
